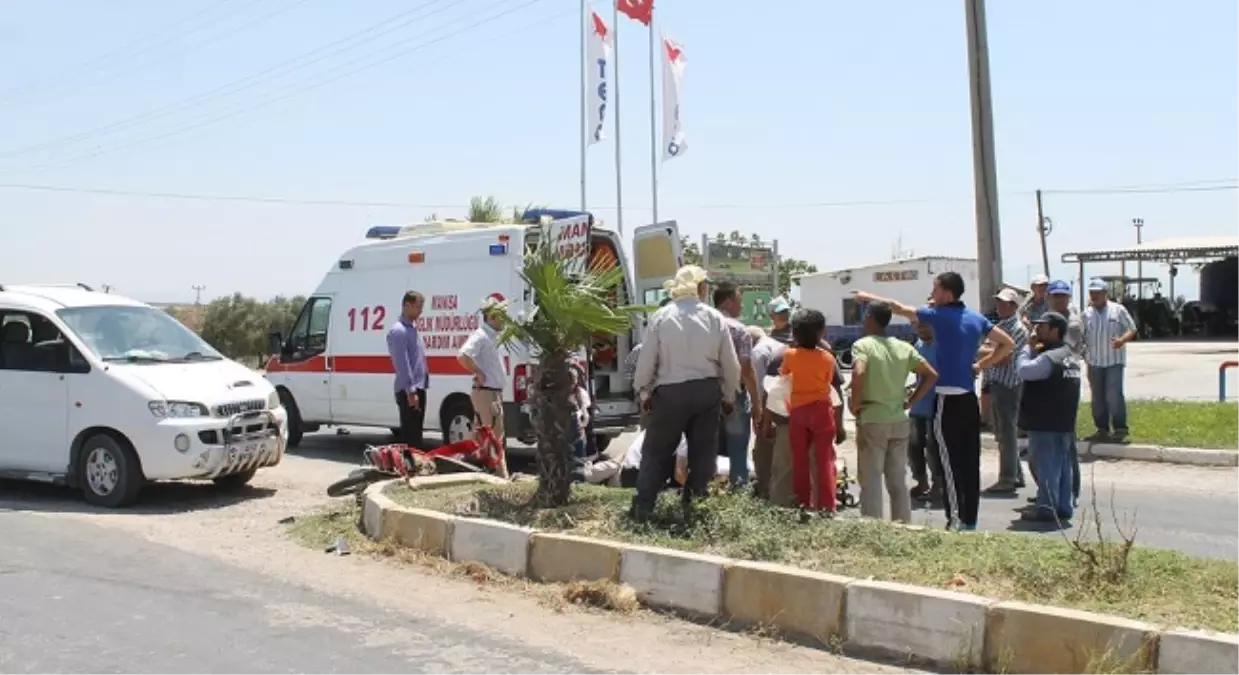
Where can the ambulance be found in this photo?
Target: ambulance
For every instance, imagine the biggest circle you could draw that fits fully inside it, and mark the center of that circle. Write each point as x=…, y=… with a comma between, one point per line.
x=333, y=368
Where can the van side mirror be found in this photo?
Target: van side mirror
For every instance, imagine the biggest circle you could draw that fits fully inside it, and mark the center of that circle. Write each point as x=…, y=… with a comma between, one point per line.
x=68, y=360
x=275, y=342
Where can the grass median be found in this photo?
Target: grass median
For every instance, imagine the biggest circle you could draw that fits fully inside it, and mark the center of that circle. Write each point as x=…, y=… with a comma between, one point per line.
x=1179, y=424
x=1164, y=587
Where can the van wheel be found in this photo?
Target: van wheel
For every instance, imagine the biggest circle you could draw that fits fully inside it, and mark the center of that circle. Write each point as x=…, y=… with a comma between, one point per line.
x=235, y=481
x=109, y=472
x=295, y=430
x=456, y=420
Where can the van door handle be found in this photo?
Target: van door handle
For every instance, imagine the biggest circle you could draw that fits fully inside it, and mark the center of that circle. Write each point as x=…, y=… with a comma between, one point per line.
x=331, y=363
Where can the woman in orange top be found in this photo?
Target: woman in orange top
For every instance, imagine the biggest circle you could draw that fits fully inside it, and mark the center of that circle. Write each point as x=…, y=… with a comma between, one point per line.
x=810, y=411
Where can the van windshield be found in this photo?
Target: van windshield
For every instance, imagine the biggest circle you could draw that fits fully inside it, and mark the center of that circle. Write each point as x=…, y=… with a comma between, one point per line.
x=136, y=335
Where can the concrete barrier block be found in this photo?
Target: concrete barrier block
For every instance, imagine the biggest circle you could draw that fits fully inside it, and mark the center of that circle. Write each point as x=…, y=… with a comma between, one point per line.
x=674, y=579
x=1181, y=651
x=900, y=620
x=795, y=600
x=1024, y=638
x=428, y=531
x=501, y=546
x=450, y=479
x=374, y=505
x=562, y=557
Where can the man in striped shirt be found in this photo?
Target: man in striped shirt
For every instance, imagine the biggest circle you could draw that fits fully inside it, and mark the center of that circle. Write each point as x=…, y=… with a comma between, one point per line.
x=1108, y=327
x=1003, y=382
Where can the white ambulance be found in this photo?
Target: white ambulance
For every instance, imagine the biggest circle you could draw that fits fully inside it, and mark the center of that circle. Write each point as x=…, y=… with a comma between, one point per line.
x=333, y=367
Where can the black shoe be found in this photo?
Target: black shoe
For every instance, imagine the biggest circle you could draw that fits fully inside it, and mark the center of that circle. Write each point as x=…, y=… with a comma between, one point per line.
x=1032, y=500
x=1098, y=436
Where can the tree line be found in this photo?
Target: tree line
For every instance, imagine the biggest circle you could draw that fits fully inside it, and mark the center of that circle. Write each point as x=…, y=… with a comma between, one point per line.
x=238, y=326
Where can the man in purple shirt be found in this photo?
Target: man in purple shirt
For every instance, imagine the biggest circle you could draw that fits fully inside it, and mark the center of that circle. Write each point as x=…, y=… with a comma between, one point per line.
x=408, y=358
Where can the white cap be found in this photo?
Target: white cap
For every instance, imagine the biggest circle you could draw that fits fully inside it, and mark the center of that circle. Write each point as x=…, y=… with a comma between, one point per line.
x=1008, y=295
x=1039, y=280
x=686, y=280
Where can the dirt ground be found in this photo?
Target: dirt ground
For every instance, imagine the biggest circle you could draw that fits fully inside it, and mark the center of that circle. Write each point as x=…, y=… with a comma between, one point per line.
x=244, y=531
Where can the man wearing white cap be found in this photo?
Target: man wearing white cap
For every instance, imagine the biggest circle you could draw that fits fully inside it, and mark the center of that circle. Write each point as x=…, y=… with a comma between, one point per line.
x=1108, y=327
x=688, y=374
x=1039, y=303
x=1003, y=382
x=480, y=355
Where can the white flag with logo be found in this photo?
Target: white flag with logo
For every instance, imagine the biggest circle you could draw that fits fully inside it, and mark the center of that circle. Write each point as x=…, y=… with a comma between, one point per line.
x=674, y=144
x=597, y=64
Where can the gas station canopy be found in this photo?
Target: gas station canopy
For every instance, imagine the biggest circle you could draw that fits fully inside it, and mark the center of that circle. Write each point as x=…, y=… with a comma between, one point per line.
x=1173, y=250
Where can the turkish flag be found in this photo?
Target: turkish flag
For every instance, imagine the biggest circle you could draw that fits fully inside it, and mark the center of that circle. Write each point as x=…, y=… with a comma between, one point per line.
x=637, y=10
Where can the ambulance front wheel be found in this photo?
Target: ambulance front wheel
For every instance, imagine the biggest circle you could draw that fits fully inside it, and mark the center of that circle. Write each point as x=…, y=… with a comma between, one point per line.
x=456, y=419
x=295, y=427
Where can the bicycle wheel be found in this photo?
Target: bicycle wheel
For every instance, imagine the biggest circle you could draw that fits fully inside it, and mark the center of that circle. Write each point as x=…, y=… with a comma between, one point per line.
x=355, y=482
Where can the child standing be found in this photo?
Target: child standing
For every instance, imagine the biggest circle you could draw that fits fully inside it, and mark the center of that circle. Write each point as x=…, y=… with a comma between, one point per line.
x=811, y=415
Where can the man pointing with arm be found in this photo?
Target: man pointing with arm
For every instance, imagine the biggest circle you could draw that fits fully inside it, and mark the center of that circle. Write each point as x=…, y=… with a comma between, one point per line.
x=958, y=332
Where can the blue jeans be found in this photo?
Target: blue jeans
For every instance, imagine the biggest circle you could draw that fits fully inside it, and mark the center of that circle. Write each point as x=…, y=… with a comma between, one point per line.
x=1109, y=404
x=734, y=440
x=1051, y=452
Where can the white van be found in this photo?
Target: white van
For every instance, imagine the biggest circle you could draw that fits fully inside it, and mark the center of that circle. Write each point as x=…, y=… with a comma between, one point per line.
x=103, y=393
x=333, y=367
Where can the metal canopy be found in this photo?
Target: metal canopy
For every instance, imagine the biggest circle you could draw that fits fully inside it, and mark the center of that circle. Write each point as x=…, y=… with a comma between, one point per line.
x=1174, y=250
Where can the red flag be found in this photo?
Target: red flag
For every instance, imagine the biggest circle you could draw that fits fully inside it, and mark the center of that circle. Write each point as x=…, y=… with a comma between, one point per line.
x=641, y=11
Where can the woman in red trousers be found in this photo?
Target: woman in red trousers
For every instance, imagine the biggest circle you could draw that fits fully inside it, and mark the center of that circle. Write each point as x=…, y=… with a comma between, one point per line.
x=811, y=415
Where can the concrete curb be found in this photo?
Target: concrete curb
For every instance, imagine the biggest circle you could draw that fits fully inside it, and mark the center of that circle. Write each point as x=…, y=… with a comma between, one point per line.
x=936, y=626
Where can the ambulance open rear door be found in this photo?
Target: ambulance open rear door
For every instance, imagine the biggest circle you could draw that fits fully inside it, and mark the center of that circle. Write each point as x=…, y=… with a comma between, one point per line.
x=656, y=255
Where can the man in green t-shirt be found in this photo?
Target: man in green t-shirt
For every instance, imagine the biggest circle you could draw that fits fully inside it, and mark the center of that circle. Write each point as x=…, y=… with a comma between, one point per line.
x=880, y=401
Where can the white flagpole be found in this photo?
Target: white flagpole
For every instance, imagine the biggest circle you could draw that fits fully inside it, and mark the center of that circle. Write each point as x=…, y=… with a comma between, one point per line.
x=619, y=173
x=583, y=108
x=653, y=127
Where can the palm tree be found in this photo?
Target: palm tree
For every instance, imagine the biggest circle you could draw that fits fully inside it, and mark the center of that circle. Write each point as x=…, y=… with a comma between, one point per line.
x=485, y=210
x=566, y=312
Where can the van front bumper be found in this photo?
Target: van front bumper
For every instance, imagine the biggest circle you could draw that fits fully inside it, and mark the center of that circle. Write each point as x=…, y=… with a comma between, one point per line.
x=217, y=447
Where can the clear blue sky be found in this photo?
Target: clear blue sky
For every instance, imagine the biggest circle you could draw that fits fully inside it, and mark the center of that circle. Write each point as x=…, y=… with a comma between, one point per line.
x=787, y=104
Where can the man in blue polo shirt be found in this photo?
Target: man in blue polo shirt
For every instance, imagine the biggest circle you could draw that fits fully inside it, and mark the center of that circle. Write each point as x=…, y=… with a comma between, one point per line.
x=958, y=332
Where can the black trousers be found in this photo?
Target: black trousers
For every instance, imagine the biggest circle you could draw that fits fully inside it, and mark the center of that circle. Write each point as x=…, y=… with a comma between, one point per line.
x=685, y=409
x=412, y=420
x=957, y=425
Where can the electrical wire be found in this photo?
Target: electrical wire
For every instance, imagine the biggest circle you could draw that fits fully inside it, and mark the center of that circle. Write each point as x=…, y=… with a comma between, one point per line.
x=236, y=8
x=307, y=85
x=248, y=82
x=409, y=205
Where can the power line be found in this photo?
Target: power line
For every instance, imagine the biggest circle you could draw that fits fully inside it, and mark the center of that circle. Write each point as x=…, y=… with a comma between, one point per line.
x=235, y=8
x=244, y=83
x=307, y=85
x=410, y=205
x=1144, y=190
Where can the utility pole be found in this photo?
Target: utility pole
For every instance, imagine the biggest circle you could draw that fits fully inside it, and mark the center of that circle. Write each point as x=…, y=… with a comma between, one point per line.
x=1138, y=223
x=989, y=240
x=198, y=289
x=1044, y=225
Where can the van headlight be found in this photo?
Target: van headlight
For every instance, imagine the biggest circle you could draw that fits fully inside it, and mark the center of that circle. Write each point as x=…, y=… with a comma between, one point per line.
x=273, y=400
x=177, y=409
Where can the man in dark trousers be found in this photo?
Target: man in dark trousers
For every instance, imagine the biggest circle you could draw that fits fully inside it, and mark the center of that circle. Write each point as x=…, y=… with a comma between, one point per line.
x=1050, y=370
x=959, y=332
x=688, y=376
x=408, y=358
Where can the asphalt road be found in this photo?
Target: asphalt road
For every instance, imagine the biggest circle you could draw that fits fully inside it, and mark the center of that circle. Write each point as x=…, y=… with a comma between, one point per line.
x=121, y=604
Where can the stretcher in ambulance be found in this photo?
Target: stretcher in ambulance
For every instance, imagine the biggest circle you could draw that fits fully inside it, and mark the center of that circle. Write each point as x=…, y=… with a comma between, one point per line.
x=332, y=368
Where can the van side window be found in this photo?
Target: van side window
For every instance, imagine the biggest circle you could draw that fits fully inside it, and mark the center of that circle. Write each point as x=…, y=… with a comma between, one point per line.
x=31, y=342
x=309, y=334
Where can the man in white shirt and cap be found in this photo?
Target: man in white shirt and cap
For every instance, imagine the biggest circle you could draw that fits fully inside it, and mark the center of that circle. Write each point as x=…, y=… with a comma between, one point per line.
x=688, y=374
x=480, y=356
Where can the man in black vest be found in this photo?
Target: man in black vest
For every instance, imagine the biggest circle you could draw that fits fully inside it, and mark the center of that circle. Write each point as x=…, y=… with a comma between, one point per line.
x=1051, y=375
